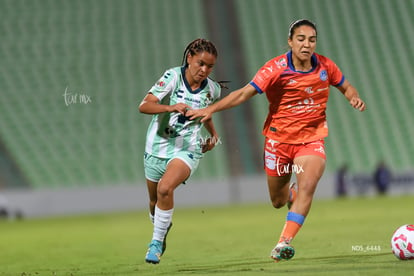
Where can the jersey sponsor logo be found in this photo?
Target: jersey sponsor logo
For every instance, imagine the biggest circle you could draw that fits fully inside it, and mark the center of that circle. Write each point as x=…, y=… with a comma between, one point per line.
x=270, y=145
x=160, y=84
x=323, y=75
x=309, y=90
x=307, y=105
x=320, y=149
x=272, y=142
x=292, y=81
x=194, y=100
x=270, y=160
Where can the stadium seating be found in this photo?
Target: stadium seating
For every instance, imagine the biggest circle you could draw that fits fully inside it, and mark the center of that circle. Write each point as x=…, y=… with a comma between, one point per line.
x=107, y=51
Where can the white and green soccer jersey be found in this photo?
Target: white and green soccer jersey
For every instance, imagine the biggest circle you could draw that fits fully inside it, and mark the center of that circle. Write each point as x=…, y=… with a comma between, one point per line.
x=169, y=133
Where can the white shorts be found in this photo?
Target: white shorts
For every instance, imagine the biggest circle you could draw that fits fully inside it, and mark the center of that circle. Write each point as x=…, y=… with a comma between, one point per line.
x=155, y=167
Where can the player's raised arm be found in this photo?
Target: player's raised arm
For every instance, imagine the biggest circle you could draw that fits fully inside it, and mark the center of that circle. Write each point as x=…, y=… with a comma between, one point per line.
x=235, y=98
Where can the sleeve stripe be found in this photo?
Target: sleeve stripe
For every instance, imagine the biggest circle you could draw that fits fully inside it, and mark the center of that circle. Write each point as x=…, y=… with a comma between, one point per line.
x=341, y=81
x=256, y=87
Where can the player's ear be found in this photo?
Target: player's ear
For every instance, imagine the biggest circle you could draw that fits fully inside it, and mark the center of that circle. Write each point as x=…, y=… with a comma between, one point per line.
x=290, y=42
x=189, y=58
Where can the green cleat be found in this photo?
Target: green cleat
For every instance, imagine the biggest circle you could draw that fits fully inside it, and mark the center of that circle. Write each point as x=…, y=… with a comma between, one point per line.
x=282, y=251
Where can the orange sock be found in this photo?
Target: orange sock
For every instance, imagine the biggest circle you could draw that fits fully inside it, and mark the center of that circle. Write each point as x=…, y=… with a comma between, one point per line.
x=289, y=231
x=292, y=226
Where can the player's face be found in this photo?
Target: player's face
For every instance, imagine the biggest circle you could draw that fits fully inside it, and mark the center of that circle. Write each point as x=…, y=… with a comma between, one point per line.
x=303, y=43
x=200, y=66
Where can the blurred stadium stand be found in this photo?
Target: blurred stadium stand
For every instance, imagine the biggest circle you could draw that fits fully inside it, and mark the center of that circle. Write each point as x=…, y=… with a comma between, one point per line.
x=111, y=52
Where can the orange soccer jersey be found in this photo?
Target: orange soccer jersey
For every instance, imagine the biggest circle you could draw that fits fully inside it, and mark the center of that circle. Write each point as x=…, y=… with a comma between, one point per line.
x=297, y=100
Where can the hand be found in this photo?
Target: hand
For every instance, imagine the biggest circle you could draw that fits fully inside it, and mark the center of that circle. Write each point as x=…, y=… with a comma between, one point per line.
x=209, y=144
x=357, y=103
x=203, y=113
x=180, y=108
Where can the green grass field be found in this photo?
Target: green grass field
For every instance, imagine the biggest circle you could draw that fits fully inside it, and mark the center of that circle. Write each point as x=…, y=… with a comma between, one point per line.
x=340, y=237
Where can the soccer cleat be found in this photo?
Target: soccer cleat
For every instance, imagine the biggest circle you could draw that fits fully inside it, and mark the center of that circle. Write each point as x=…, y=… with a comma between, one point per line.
x=164, y=245
x=154, y=252
x=282, y=251
x=293, y=190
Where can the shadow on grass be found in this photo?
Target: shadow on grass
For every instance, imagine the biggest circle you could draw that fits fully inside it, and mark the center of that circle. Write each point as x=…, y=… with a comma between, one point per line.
x=341, y=264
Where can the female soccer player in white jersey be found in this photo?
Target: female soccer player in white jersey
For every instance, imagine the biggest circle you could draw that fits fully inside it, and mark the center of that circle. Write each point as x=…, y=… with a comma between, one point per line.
x=173, y=146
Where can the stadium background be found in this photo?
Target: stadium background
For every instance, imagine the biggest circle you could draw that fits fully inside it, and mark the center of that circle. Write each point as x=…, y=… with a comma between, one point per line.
x=63, y=154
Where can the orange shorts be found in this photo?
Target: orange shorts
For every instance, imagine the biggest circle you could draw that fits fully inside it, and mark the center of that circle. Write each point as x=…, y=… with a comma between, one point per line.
x=278, y=157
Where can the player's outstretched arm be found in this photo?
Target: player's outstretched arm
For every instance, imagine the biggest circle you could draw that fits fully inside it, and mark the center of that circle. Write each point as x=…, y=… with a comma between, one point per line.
x=235, y=98
x=352, y=96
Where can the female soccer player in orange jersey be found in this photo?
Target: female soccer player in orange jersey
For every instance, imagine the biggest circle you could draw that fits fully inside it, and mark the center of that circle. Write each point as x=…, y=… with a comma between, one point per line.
x=296, y=85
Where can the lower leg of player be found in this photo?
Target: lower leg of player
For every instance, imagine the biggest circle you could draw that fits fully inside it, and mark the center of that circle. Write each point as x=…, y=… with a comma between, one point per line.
x=313, y=167
x=292, y=226
x=283, y=249
x=162, y=222
x=293, y=190
x=164, y=245
x=177, y=171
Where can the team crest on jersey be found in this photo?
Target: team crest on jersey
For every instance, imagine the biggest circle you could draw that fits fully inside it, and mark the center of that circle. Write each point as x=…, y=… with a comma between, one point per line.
x=282, y=62
x=323, y=75
x=207, y=101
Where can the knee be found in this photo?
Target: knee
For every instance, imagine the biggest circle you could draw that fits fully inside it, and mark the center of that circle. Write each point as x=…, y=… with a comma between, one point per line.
x=278, y=203
x=164, y=191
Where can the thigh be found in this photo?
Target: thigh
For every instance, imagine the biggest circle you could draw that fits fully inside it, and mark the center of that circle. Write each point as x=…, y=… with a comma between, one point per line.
x=309, y=169
x=191, y=159
x=177, y=172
